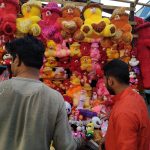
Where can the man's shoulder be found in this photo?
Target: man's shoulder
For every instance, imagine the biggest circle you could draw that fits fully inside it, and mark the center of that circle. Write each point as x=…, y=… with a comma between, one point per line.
x=4, y=83
x=52, y=93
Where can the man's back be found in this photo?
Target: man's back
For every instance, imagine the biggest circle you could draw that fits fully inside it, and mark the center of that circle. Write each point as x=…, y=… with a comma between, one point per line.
x=129, y=126
x=31, y=114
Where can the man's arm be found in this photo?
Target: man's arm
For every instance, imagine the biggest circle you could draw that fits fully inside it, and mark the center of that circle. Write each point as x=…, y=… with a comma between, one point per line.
x=126, y=131
x=63, y=139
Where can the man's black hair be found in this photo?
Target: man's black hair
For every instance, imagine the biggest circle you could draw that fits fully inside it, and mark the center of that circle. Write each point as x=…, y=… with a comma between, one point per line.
x=117, y=69
x=29, y=50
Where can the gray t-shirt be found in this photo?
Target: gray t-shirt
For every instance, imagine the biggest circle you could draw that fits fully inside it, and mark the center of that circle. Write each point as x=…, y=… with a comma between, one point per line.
x=31, y=116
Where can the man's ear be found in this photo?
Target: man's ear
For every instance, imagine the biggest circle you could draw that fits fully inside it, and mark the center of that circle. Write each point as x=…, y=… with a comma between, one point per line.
x=17, y=61
x=110, y=81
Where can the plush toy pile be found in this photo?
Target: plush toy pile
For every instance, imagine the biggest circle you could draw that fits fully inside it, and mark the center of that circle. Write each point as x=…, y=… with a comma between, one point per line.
x=75, y=52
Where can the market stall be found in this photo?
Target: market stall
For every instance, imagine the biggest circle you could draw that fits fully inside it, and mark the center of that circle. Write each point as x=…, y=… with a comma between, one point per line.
x=78, y=41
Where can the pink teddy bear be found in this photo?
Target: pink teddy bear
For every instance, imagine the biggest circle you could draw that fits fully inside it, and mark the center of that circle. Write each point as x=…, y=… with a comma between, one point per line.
x=94, y=52
x=101, y=89
x=62, y=50
x=49, y=23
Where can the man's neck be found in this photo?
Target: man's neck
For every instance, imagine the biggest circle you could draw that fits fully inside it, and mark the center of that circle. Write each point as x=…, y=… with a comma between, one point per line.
x=121, y=88
x=29, y=73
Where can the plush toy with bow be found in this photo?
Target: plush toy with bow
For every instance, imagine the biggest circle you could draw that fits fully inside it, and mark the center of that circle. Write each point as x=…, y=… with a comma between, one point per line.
x=28, y=24
x=94, y=25
x=71, y=23
x=8, y=11
x=49, y=23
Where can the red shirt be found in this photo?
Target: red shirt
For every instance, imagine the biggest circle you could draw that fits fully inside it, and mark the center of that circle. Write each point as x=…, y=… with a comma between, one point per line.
x=129, y=124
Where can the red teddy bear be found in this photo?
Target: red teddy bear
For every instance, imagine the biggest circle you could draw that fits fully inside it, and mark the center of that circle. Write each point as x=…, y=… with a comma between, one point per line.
x=75, y=64
x=85, y=49
x=8, y=15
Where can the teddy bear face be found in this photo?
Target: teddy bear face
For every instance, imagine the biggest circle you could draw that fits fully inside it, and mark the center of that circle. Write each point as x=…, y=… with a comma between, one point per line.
x=86, y=63
x=6, y=6
x=64, y=62
x=70, y=12
x=51, y=44
x=30, y=10
x=85, y=49
x=8, y=11
x=75, y=64
x=133, y=62
x=50, y=16
x=51, y=62
x=74, y=79
x=119, y=20
x=75, y=49
x=92, y=12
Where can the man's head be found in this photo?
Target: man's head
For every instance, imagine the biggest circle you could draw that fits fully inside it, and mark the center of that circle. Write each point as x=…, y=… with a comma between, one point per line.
x=27, y=53
x=116, y=75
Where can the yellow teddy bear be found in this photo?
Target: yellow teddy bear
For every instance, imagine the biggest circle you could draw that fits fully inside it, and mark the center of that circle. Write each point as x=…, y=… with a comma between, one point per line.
x=51, y=62
x=31, y=11
x=86, y=63
x=94, y=25
x=51, y=49
x=75, y=49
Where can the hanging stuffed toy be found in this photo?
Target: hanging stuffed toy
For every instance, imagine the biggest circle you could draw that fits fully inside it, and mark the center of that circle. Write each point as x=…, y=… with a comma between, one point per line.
x=8, y=12
x=71, y=23
x=49, y=24
x=28, y=24
x=94, y=25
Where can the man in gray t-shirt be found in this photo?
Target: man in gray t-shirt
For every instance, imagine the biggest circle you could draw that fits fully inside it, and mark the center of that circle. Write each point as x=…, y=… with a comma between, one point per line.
x=31, y=114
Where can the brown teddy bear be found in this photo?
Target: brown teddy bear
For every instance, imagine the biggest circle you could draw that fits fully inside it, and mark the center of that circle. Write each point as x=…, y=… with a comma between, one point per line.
x=121, y=20
x=71, y=23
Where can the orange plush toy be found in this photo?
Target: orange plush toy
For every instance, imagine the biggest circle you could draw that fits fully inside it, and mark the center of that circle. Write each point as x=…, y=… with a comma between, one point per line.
x=121, y=20
x=71, y=23
x=123, y=37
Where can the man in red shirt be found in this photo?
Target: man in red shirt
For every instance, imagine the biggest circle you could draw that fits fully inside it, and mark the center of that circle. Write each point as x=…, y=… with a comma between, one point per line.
x=129, y=125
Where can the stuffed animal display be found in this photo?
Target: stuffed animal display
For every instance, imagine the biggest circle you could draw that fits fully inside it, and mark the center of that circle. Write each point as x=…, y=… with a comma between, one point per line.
x=78, y=43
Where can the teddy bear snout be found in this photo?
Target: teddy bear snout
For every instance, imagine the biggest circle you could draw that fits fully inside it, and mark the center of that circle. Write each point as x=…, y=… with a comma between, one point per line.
x=9, y=28
x=93, y=10
x=112, y=30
